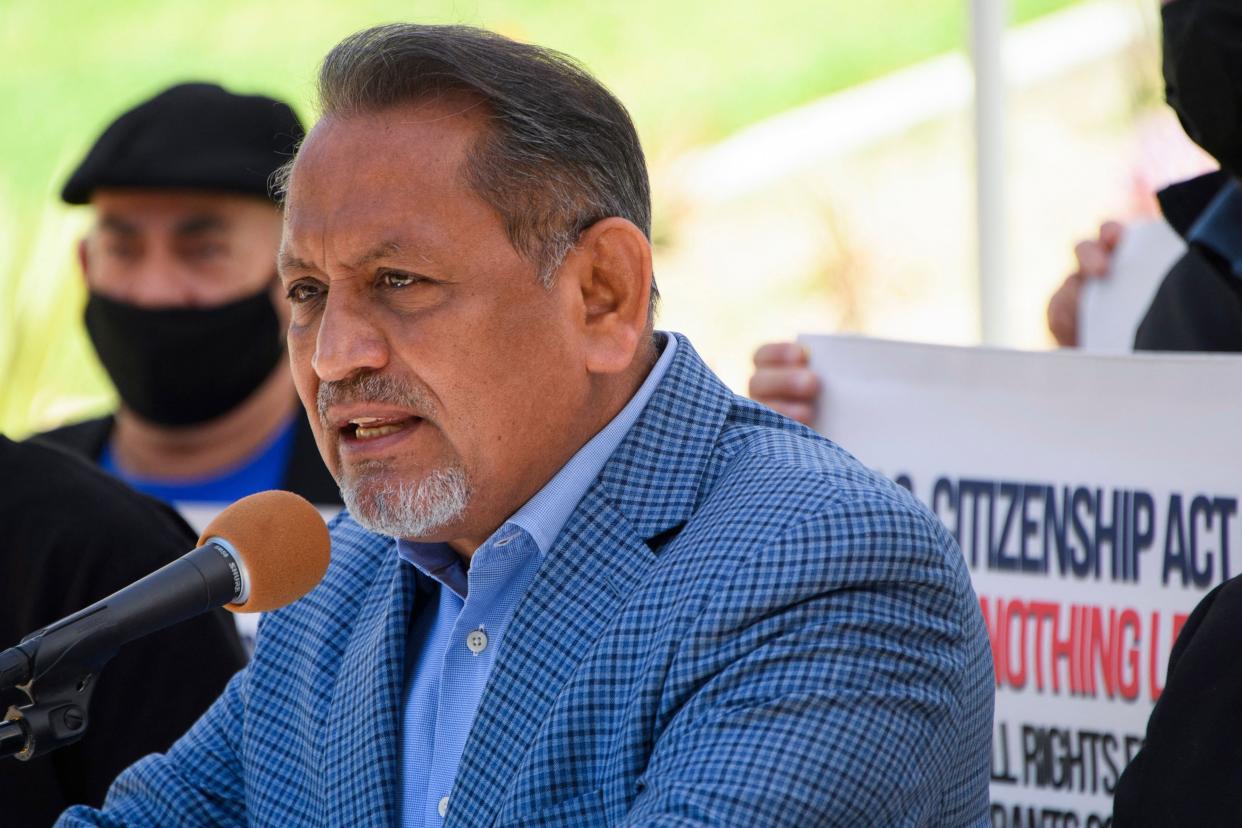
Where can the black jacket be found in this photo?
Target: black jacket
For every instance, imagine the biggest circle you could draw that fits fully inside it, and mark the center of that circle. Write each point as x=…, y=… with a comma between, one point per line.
x=306, y=474
x=73, y=535
x=1189, y=771
x=1198, y=306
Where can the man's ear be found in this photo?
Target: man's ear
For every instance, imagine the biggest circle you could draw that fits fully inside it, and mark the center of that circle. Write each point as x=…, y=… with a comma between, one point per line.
x=612, y=269
x=84, y=258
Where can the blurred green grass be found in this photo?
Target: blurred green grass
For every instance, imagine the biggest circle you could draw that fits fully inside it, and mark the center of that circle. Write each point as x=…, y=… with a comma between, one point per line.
x=691, y=71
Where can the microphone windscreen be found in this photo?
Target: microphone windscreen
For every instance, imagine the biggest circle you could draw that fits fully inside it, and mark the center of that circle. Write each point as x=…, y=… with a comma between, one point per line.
x=283, y=544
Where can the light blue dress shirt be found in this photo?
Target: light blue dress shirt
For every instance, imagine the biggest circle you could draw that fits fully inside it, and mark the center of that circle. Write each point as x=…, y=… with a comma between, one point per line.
x=454, y=639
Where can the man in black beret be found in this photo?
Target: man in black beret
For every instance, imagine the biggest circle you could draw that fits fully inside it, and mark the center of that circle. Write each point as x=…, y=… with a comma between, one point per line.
x=185, y=310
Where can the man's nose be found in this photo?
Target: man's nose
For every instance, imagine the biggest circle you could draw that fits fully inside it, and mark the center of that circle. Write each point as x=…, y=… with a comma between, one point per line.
x=348, y=340
x=159, y=280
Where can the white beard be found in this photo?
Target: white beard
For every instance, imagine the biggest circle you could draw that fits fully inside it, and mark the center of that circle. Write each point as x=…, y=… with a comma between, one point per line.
x=402, y=509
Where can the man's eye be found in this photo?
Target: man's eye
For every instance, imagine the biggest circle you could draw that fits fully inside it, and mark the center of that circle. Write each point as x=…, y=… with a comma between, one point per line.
x=118, y=251
x=302, y=292
x=399, y=280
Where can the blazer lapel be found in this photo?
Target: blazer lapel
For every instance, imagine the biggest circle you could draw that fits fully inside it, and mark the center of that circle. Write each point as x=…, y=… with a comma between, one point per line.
x=362, y=755
x=649, y=487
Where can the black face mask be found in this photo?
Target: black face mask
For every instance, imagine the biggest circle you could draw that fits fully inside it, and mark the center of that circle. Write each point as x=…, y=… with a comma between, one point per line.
x=181, y=366
x=1203, y=74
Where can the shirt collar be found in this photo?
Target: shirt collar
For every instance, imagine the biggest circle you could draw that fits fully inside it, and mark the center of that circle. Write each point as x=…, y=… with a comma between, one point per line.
x=544, y=515
x=1182, y=203
x=1217, y=228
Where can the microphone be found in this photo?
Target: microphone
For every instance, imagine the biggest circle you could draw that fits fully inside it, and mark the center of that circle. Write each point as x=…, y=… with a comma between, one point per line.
x=260, y=553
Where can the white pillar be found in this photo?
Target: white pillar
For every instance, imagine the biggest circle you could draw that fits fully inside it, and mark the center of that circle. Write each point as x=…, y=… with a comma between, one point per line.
x=987, y=27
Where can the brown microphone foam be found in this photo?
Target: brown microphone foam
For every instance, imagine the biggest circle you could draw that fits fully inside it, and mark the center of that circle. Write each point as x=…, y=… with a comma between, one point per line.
x=283, y=544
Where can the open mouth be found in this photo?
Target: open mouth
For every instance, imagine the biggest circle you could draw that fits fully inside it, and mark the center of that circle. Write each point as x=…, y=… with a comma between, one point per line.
x=363, y=429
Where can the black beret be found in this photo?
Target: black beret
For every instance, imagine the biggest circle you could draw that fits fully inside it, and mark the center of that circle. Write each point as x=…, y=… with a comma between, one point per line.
x=195, y=136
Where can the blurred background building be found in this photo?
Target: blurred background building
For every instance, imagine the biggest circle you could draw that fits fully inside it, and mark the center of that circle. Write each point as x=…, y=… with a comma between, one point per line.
x=812, y=162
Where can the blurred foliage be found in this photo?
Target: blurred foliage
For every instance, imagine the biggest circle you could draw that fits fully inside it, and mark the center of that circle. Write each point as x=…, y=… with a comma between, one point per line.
x=692, y=71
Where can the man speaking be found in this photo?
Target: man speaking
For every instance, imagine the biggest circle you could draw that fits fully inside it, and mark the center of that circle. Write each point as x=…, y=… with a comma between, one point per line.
x=580, y=581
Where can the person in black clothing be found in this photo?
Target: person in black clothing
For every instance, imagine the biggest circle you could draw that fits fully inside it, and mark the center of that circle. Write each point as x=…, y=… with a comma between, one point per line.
x=185, y=311
x=1189, y=769
x=1198, y=306
x=74, y=535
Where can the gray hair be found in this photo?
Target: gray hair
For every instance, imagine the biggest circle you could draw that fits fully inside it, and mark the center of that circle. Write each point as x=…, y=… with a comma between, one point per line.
x=561, y=154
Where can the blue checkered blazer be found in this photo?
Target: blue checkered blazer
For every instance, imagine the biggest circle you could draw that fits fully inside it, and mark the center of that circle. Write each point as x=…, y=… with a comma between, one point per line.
x=739, y=625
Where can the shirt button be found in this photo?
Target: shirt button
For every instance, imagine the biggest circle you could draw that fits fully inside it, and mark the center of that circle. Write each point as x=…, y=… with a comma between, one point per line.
x=442, y=806
x=476, y=640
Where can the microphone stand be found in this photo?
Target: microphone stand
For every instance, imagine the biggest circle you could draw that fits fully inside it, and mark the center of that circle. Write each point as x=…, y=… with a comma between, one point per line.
x=55, y=668
x=55, y=684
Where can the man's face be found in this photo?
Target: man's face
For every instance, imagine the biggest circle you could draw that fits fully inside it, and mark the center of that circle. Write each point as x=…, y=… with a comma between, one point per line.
x=448, y=380
x=171, y=248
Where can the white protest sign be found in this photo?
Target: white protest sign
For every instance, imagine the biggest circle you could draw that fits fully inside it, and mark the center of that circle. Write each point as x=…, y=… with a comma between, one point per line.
x=1112, y=308
x=1096, y=500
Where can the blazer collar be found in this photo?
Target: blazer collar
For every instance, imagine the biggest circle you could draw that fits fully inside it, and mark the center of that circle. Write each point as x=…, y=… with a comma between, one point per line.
x=656, y=475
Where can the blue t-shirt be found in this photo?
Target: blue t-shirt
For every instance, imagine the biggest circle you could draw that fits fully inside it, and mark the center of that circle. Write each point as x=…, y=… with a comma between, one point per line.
x=264, y=470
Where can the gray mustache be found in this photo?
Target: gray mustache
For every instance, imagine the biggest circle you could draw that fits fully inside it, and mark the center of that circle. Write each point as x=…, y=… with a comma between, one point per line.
x=370, y=388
